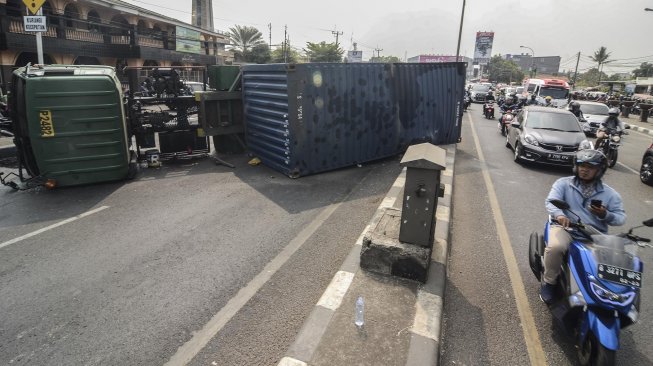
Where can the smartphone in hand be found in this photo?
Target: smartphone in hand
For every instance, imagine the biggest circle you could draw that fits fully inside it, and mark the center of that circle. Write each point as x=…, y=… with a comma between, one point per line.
x=596, y=203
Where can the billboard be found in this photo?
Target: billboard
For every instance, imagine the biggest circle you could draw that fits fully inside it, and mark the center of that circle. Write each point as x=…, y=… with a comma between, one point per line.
x=188, y=40
x=438, y=58
x=355, y=56
x=483, y=48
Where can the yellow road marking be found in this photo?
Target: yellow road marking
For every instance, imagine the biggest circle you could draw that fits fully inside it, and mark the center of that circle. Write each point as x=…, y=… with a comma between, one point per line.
x=531, y=336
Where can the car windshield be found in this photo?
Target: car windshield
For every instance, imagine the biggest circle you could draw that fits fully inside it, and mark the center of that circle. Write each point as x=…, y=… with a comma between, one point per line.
x=594, y=109
x=554, y=93
x=520, y=90
x=480, y=88
x=552, y=121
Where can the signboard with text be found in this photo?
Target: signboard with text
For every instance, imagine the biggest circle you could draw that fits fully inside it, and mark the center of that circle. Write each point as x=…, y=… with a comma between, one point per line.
x=483, y=48
x=188, y=40
x=35, y=23
x=355, y=56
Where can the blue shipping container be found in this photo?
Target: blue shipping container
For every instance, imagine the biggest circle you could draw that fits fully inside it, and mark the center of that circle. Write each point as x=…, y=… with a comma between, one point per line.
x=303, y=119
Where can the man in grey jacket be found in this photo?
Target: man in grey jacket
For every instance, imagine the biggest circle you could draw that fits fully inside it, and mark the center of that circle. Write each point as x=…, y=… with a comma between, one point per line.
x=595, y=202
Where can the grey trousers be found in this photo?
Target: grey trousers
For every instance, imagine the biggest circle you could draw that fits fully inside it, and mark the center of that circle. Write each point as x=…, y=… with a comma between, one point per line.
x=558, y=244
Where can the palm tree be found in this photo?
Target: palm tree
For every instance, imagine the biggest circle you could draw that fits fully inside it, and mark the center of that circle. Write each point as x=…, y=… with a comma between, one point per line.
x=601, y=57
x=244, y=37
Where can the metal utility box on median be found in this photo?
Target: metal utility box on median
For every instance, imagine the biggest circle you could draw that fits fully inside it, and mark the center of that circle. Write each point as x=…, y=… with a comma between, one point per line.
x=424, y=162
x=70, y=123
x=308, y=118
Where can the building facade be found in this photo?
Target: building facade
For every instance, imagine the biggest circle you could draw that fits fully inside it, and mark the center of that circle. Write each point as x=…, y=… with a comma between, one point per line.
x=106, y=32
x=548, y=65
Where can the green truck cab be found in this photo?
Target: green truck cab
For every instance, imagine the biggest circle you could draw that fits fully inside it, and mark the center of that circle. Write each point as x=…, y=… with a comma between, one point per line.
x=70, y=126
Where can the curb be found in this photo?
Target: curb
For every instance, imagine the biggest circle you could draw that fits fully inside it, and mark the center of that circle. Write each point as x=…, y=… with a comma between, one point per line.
x=425, y=333
x=637, y=128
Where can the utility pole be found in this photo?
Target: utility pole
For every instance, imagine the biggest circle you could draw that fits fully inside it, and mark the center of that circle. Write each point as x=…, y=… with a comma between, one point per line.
x=378, y=51
x=336, y=33
x=576, y=71
x=270, y=28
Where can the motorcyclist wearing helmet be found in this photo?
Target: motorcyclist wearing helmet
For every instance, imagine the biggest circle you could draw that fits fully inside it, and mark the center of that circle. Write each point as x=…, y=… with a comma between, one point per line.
x=611, y=124
x=579, y=191
x=489, y=97
x=547, y=101
x=575, y=109
x=533, y=100
x=511, y=102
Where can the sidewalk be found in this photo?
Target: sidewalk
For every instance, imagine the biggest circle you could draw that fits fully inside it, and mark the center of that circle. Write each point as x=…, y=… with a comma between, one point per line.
x=636, y=125
x=402, y=318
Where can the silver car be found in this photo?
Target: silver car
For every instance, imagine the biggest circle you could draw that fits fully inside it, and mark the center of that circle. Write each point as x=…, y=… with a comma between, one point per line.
x=594, y=114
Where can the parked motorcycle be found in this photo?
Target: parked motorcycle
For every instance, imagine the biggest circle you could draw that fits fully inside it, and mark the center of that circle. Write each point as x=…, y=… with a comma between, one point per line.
x=610, y=145
x=598, y=287
x=488, y=110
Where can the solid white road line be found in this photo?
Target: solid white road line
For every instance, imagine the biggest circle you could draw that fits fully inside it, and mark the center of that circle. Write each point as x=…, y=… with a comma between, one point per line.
x=627, y=167
x=332, y=297
x=64, y=222
x=531, y=336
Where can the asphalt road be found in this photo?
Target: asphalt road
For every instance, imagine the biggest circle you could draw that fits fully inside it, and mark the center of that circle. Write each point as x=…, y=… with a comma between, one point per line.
x=482, y=322
x=154, y=260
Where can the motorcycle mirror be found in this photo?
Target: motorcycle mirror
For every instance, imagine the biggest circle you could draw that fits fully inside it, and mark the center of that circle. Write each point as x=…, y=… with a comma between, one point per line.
x=560, y=204
x=648, y=223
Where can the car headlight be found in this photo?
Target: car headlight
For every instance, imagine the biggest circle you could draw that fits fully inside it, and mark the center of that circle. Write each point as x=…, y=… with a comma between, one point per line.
x=616, y=138
x=585, y=145
x=531, y=140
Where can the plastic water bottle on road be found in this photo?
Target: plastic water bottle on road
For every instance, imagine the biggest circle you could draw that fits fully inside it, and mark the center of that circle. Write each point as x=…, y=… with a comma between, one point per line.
x=360, y=309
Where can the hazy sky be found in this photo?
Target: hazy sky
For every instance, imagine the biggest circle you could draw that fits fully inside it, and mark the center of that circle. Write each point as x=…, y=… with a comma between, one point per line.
x=412, y=27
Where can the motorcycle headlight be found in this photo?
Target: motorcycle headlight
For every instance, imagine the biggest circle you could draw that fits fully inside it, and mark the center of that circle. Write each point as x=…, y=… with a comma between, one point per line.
x=585, y=144
x=531, y=140
x=616, y=138
x=610, y=297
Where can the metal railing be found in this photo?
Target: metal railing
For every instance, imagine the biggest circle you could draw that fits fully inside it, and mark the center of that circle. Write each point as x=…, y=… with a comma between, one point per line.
x=120, y=39
x=16, y=26
x=148, y=41
x=84, y=35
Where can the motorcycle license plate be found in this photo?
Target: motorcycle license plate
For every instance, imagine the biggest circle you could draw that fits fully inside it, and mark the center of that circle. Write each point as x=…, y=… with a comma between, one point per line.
x=559, y=157
x=619, y=275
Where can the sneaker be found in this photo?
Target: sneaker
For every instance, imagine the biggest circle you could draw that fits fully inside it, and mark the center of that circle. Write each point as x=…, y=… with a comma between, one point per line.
x=547, y=293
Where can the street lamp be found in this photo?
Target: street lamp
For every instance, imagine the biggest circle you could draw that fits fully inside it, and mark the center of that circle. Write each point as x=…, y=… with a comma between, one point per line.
x=532, y=60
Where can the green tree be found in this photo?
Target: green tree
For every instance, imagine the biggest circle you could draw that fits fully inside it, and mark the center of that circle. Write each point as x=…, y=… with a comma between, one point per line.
x=590, y=78
x=259, y=54
x=245, y=37
x=644, y=70
x=385, y=59
x=323, y=52
x=291, y=56
x=601, y=57
x=504, y=71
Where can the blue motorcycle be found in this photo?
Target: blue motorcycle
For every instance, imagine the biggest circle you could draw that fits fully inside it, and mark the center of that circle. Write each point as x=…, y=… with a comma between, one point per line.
x=598, y=287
